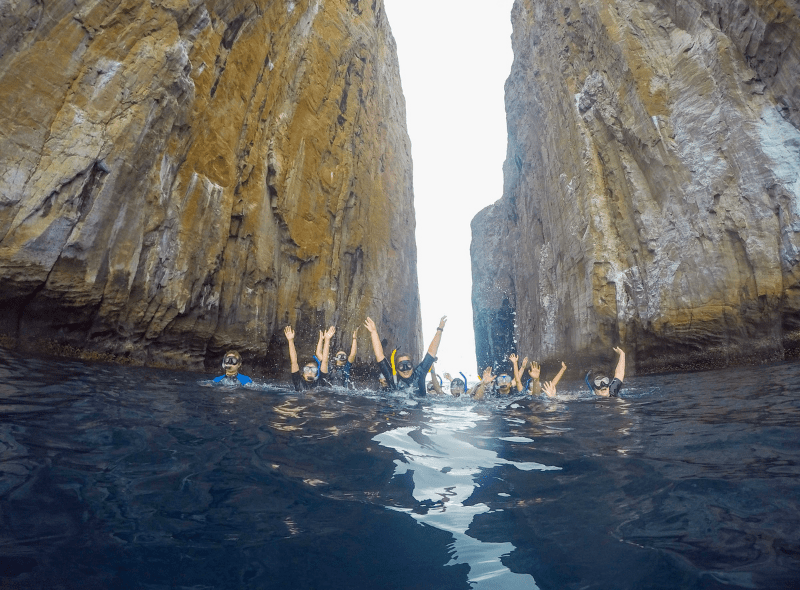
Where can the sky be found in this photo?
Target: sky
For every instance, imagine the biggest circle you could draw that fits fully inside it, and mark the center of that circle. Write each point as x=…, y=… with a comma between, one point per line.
x=455, y=56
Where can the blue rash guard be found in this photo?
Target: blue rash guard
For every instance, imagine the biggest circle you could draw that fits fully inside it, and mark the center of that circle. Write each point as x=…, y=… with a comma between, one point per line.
x=242, y=379
x=417, y=378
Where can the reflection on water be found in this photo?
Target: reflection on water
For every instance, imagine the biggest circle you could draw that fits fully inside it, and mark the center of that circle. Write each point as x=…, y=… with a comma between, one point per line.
x=445, y=465
x=125, y=478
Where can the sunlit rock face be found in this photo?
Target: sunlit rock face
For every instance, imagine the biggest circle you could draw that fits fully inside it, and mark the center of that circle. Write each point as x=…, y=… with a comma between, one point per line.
x=652, y=185
x=180, y=177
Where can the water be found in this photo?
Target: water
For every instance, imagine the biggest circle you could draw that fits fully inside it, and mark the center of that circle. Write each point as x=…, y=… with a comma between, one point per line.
x=136, y=478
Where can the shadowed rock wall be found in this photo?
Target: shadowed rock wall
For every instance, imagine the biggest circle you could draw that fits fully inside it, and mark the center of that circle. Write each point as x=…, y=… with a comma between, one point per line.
x=179, y=177
x=652, y=184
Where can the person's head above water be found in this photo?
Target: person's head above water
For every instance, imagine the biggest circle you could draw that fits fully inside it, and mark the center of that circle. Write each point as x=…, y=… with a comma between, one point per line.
x=404, y=366
x=340, y=358
x=310, y=372
x=458, y=386
x=599, y=381
x=231, y=363
x=503, y=383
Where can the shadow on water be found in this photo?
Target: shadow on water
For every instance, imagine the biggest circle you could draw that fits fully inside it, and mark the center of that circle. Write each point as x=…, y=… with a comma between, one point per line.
x=137, y=478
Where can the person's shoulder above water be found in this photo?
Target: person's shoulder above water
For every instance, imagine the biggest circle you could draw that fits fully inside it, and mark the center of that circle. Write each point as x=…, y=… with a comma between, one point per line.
x=231, y=363
x=603, y=385
x=242, y=379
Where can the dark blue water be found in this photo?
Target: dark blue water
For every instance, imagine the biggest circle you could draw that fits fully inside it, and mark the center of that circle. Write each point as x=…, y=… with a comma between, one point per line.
x=134, y=478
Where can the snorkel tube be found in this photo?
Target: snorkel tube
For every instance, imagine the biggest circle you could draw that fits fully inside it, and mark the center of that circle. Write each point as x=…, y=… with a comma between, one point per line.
x=394, y=369
x=588, y=383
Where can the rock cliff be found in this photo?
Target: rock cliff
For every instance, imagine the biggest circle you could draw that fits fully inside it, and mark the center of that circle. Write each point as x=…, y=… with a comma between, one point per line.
x=179, y=177
x=651, y=191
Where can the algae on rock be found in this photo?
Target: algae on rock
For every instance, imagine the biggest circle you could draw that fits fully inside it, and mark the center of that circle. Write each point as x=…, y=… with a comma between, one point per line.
x=181, y=177
x=652, y=185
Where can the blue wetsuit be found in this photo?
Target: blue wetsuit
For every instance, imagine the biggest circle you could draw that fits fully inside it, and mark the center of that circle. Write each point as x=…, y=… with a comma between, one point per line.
x=242, y=379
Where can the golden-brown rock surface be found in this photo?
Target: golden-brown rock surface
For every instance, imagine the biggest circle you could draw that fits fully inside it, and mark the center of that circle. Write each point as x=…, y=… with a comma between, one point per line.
x=180, y=177
x=652, y=186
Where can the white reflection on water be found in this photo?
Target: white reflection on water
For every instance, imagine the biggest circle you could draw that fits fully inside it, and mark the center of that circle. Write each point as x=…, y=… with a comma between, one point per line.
x=444, y=471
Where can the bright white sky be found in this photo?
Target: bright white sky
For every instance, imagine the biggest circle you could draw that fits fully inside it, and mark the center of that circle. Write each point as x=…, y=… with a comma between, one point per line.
x=455, y=56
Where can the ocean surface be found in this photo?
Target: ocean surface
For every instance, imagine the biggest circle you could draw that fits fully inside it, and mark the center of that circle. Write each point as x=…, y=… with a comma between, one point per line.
x=115, y=477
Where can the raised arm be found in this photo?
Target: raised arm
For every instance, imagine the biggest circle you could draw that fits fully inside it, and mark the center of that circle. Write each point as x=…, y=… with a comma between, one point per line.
x=534, y=372
x=517, y=373
x=560, y=374
x=352, y=356
x=479, y=390
x=292, y=352
x=434, y=347
x=549, y=387
x=437, y=387
x=619, y=372
x=318, y=351
x=377, y=347
x=326, y=350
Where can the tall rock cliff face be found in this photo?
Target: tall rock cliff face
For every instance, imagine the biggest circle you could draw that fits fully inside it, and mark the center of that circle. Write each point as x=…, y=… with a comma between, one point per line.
x=178, y=177
x=652, y=186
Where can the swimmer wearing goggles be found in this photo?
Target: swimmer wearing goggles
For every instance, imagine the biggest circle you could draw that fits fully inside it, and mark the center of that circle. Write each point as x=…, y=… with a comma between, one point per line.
x=603, y=385
x=408, y=376
x=342, y=363
x=231, y=363
x=503, y=383
x=312, y=373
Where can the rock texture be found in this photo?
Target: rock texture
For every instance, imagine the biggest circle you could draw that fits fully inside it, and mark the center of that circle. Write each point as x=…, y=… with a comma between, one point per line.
x=652, y=186
x=178, y=177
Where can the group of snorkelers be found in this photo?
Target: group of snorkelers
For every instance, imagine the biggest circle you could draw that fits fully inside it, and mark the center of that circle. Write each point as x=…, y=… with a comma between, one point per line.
x=399, y=372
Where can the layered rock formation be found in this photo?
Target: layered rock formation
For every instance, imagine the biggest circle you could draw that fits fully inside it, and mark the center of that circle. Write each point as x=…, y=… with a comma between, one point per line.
x=179, y=177
x=652, y=186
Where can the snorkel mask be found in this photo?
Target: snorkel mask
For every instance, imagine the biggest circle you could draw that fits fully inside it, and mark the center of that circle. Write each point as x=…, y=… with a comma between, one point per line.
x=310, y=373
x=231, y=362
x=405, y=365
x=504, y=382
x=458, y=386
x=601, y=382
x=341, y=357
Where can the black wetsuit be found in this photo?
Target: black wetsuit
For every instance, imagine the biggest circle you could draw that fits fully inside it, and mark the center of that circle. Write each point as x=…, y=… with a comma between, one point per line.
x=301, y=384
x=417, y=379
x=614, y=387
x=340, y=375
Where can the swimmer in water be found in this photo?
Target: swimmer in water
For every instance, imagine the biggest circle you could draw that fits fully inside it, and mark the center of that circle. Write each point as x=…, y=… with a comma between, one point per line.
x=479, y=390
x=231, y=363
x=458, y=385
x=533, y=386
x=408, y=376
x=342, y=362
x=601, y=384
x=503, y=383
x=311, y=374
x=434, y=386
